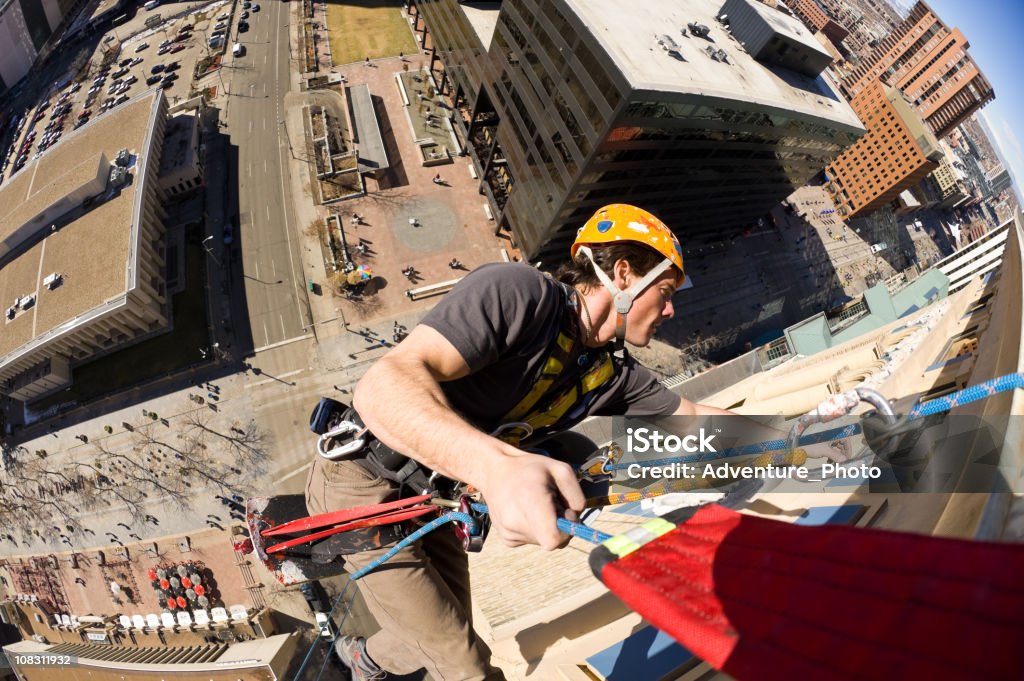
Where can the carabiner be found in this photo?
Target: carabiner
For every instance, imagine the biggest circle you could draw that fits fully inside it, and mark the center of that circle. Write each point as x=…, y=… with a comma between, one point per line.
x=350, y=447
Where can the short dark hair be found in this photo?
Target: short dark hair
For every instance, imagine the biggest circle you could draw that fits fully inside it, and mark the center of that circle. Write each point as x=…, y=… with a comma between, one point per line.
x=580, y=270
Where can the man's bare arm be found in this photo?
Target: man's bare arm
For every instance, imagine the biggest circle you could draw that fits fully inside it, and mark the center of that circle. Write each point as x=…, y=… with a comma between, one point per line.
x=401, y=401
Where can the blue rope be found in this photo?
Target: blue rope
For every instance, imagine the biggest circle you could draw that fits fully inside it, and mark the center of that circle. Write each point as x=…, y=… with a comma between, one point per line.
x=959, y=398
x=451, y=517
x=973, y=393
x=564, y=525
x=745, y=450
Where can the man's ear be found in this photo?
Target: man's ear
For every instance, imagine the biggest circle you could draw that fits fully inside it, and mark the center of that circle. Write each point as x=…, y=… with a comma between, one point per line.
x=621, y=270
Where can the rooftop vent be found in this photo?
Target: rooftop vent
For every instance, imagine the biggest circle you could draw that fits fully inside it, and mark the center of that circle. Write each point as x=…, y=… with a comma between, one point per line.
x=667, y=43
x=123, y=157
x=699, y=30
x=11, y=311
x=118, y=176
x=52, y=281
x=27, y=302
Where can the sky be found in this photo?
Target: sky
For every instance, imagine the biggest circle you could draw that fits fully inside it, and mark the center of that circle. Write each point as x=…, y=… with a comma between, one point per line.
x=994, y=30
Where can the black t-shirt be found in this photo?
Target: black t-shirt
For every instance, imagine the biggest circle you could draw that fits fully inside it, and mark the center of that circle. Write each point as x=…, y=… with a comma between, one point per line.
x=502, y=319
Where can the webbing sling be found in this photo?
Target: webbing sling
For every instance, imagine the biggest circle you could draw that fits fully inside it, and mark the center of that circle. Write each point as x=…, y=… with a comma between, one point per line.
x=769, y=601
x=556, y=391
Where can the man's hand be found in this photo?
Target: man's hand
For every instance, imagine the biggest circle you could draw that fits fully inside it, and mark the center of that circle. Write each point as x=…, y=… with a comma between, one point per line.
x=525, y=493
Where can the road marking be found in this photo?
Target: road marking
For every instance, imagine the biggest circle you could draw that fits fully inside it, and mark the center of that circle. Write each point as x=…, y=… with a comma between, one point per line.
x=297, y=471
x=250, y=127
x=281, y=319
x=256, y=266
x=264, y=60
x=275, y=379
x=273, y=266
x=264, y=162
x=264, y=126
x=281, y=166
x=268, y=213
x=266, y=336
x=248, y=168
x=284, y=342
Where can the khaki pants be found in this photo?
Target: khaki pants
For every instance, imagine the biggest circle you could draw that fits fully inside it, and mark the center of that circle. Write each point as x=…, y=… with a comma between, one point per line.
x=420, y=598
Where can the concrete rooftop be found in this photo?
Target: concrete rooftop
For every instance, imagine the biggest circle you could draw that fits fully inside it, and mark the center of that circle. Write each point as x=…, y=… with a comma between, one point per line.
x=91, y=251
x=630, y=38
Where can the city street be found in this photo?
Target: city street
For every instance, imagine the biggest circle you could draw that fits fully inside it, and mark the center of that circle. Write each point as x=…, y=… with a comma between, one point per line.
x=264, y=227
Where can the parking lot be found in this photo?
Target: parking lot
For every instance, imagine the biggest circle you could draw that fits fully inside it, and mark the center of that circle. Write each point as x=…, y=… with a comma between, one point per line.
x=128, y=60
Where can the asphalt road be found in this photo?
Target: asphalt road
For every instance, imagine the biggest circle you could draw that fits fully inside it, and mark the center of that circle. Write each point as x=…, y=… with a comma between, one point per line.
x=265, y=228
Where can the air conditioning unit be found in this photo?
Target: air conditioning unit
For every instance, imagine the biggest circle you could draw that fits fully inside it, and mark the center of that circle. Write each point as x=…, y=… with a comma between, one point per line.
x=52, y=281
x=123, y=157
x=118, y=176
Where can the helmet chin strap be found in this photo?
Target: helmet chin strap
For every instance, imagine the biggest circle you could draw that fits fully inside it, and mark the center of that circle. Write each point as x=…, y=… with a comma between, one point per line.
x=623, y=300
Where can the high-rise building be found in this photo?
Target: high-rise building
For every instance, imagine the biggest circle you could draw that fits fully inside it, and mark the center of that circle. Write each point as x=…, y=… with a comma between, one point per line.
x=999, y=179
x=898, y=152
x=819, y=18
x=566, y=105
x=930, y=64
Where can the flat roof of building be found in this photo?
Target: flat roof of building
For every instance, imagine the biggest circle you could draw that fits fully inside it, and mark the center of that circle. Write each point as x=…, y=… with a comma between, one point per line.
x=178, y=136
x=91, y=252
x=630, y=39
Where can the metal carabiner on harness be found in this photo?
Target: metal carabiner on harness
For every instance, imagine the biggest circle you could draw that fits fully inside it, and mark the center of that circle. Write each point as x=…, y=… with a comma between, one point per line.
x=595, y=469
x=351, y=446
x=472, y=537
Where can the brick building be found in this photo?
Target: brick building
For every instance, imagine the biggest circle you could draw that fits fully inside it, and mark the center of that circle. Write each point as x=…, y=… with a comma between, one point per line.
x=929, y=62
x=898, y=152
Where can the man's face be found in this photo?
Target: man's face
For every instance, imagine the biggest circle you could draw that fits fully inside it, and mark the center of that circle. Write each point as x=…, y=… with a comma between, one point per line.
x=650, y=309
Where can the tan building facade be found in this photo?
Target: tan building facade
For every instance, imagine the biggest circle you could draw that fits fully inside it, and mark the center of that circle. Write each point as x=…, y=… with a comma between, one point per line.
x=898, y=152
x=82, y=257
x=929, y=62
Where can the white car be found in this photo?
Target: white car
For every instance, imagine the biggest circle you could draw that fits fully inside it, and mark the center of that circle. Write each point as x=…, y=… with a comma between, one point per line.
x=141, y=46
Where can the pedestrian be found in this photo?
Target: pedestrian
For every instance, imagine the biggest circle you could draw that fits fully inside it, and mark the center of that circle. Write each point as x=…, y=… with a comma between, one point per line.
x=472, y=367
x=367, y=61
x=437, y=179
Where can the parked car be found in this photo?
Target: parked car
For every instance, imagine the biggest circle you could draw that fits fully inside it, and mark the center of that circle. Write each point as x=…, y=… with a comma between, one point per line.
x=125, y=62
x=173, y=66
x=117, y=74
x=136, y=61
x=163, y=50
x=242, y=27
x=256, y=7
x=224, y=17
x=177, y=48
x=165, y=43
x=157, y=68
x=121, y=100
x=220, y=25
x=141, y=46
x=244, y=14
x=130, y=79
x=152, y=80
x=246, y=4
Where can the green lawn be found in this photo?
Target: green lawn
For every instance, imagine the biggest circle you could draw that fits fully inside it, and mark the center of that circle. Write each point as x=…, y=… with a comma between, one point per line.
x=368, y=28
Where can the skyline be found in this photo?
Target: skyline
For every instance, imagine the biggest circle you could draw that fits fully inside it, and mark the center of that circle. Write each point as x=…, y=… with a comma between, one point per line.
x=990, y=27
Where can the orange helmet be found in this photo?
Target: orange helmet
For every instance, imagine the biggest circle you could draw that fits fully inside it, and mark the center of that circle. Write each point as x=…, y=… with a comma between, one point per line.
x=623, y=222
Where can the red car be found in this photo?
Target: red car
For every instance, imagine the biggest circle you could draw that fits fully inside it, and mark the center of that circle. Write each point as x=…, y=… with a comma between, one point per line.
x=177, y=48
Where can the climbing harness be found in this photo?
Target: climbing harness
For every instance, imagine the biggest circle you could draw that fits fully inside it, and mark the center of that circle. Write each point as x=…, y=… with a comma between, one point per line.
x=710, y=576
